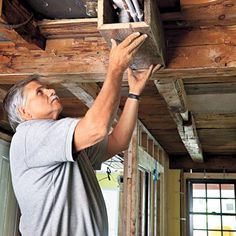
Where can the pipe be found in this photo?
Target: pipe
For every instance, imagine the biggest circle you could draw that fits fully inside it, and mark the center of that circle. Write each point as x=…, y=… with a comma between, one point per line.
x=138, y=10
x=132, y=10
x=124, y=15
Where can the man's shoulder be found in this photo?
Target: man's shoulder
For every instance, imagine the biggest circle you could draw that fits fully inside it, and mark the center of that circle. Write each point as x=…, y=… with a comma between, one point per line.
x=42, y=123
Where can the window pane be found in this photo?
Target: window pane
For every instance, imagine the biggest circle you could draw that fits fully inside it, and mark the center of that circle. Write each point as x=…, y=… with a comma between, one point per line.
x=199, y=205
x=227, y=190
x=213, y=190
x=199, y=221
x=228, y=205
x=214, y=222
x=228, y=233
x=214, y=233
x=229, y=222
x=213, y=205
x=199, y=190
x=199, y=233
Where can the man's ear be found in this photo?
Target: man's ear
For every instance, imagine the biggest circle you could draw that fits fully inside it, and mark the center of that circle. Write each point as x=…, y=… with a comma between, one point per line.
x=24, y=114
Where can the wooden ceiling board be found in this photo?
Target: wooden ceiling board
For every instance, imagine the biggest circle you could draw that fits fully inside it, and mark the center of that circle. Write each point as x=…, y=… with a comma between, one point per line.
x=202, y=13
x=218, y=141
x=169, y=140
x=212, y=103
x=215, y=121
x=210, y=88
x=207, y=80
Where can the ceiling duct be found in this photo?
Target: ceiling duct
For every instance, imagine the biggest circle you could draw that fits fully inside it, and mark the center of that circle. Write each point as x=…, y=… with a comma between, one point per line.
x=64, y=9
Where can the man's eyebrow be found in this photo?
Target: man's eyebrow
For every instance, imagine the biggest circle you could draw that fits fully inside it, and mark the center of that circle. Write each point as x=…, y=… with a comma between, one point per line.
x=40, y=87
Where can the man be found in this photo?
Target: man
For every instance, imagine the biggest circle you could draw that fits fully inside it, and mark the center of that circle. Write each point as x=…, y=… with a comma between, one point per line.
x=53, y=161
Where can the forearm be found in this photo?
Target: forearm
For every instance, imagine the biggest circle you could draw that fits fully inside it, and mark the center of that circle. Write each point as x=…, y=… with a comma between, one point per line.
x=126, y=124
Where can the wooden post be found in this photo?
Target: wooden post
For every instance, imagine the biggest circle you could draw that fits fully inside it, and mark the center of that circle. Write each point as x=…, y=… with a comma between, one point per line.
x=130, y=200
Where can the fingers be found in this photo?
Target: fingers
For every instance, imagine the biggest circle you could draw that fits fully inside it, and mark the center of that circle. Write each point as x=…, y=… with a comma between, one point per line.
x=150, y=71
x=156, y=68
x=130, y=72
x=135, y=45
x=113, y=43
x=130, y=39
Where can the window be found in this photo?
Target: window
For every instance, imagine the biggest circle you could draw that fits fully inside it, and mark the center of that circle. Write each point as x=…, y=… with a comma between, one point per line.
x=211, y=207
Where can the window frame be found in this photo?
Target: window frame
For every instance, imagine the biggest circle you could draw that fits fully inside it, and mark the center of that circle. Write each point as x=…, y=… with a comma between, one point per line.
x=189, y=202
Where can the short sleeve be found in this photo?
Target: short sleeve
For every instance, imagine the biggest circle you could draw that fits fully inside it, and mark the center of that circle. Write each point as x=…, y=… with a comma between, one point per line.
x=97, y=153
x=48, y=142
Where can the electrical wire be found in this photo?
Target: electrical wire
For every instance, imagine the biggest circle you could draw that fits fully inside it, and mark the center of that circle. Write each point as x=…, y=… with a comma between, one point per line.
x=16, y=26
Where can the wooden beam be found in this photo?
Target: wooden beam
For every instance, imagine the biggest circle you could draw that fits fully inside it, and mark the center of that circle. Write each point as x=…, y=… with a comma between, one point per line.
x=215, y=121
x=175, y=97
x=85, y=92
x=210, y=163
x=202, y=13
x=16, y=19
x=86, y=59
x=216, y=103
x=69, y=28
x=189, y=136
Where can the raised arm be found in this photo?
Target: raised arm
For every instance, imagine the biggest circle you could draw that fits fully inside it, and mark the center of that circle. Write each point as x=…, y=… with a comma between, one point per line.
x=97, y=121
x=120, y=138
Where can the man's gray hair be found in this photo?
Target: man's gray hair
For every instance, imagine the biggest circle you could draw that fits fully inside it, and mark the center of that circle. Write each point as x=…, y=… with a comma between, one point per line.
x=15, y=99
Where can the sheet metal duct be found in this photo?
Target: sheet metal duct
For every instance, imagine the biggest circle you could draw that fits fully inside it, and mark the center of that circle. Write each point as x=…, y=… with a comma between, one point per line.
x=67, y=9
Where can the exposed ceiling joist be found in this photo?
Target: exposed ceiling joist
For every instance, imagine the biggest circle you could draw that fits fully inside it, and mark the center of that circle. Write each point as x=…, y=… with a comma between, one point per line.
x=69, y=28
x=17, y=25
x=86, y=59
x=204, y=12
x=175, y=97
x=85, y=92
x=214, y=163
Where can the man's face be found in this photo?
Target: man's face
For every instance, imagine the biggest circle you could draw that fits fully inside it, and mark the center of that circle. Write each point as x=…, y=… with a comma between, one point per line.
x=40, y=102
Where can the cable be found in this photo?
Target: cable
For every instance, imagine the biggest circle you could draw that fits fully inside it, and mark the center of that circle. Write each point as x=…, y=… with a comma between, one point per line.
x=15, y=26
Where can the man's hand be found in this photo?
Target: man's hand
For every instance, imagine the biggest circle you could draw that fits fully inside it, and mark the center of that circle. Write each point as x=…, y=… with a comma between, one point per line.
x=137, y=79
x=121, y=55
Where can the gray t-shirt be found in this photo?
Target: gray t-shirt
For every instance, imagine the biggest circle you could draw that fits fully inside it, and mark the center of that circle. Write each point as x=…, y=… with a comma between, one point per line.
x=57, y=191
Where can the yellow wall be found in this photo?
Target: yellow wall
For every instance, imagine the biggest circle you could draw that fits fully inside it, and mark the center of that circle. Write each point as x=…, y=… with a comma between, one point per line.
x=173, y=203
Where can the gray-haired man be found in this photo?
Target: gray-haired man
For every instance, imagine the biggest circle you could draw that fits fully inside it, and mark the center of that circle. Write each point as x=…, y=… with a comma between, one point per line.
x=53, y=161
